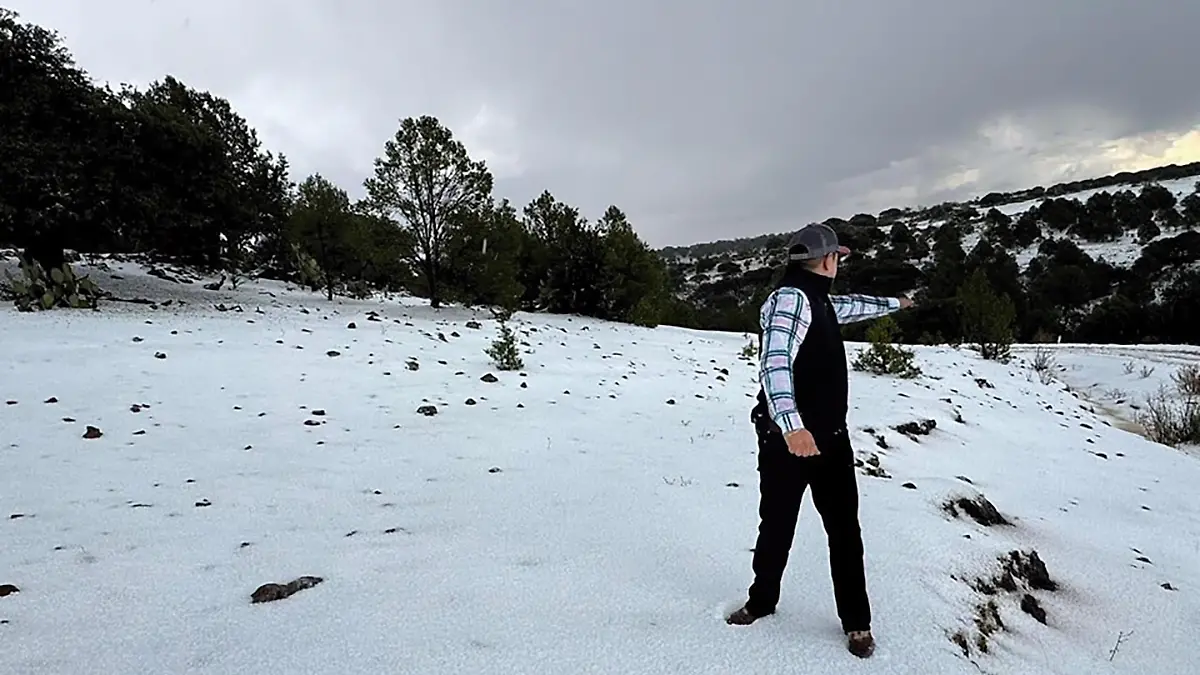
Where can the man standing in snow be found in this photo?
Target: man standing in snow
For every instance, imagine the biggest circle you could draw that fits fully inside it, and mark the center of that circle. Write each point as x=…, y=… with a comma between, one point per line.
x=800, y=421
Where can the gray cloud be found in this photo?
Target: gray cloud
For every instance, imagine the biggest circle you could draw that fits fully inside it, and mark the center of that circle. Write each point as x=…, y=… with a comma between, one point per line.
x=701, y=119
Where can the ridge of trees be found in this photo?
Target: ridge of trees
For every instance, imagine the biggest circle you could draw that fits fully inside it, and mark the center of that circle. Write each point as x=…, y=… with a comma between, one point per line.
x=172, y=172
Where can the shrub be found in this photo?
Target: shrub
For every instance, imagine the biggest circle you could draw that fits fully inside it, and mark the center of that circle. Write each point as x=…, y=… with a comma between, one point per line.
x=1172, y=415
x=987, y=317
x=1044, y=364
x=883, y=357
x=504, y=351
x=36, y=290
x=749, y=350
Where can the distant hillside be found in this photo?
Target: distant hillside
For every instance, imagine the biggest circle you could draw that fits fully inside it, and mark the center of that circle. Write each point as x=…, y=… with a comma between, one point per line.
x=1061, y=253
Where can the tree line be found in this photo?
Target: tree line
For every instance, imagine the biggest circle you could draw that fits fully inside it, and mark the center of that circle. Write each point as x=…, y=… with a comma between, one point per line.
x=1061, y=293
x=176, y=173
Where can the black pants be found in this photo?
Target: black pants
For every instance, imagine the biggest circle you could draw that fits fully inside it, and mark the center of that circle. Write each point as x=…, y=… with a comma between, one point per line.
x=783, y=478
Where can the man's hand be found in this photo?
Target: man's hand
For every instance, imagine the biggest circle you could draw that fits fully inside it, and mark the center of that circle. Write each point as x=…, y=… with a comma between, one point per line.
x=801, y=444
x=905, y=303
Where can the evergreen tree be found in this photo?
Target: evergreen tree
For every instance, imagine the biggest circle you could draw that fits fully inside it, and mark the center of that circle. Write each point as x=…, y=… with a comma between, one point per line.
x=426, y=182
x=987, y=317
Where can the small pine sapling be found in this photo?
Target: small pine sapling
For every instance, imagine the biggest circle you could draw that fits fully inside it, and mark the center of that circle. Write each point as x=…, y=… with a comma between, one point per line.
x=883, y=357
x=504, y=350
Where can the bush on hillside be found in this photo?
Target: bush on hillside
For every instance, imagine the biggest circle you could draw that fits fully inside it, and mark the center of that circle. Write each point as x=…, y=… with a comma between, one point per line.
x=987, y=317
x=504, y=351
x=34, y=289
x=1172, y=416
x=883, y=357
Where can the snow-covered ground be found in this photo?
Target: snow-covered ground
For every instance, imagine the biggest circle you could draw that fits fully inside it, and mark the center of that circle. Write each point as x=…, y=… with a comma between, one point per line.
x=593, y=514
x=1119, y=378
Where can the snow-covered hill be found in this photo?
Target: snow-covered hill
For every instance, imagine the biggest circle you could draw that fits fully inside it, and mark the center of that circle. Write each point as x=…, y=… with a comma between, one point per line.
x=699, y=267
x=592, y=514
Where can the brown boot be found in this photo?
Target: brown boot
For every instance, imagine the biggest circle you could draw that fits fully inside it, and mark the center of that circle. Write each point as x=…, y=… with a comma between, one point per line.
x=860, y=643
x=742, y=617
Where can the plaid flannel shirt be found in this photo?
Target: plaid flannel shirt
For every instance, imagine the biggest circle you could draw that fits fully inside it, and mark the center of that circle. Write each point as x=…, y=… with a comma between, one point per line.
x=784, y=319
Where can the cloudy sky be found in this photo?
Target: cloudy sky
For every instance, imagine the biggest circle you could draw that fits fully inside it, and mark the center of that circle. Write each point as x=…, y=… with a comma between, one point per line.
x=702, y=119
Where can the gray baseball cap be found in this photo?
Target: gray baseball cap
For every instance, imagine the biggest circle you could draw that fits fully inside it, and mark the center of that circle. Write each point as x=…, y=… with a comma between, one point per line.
x=814, y=242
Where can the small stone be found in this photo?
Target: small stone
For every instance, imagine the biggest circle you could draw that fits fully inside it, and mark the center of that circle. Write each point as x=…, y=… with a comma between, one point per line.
x=1032, y=607
x=203, y=503
x=909, y=486
x=428, y=410
x=488, y=377
x=135, y=408
x=1168, y=587
x=670, y=401
x=332, y=353
x=10, y=402
x=92, y=432
x=495, y=469
x=273, y=592
x=51, y=400
x=470, y=401
x=318, y=412
x=160, y=355
x=8, y=589
x=351, y=325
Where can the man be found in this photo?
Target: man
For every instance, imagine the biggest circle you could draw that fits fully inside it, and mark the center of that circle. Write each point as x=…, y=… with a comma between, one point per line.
x=800, y=421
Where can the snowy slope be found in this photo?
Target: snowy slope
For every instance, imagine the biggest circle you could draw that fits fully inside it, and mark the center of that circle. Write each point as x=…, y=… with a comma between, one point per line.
x=1122, y=252
x=592, y=515
x=1119, y=378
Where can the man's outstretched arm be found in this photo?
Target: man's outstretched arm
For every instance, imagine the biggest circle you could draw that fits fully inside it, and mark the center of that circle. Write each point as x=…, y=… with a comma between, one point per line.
x=856, y=307
x=784, y=319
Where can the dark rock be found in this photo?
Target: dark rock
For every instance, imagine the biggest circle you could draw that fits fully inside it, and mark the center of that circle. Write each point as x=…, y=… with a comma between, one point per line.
x=428, y=410
x=332, y=353
x=916, y=428
x=1032, y=607
x=979, y=509
x=8, y=589
x=273, y=592
x=488, y=377
x=1030, y=568
x=470, y=401
x=909, y=486
x=92, y=432
x=351, y=325
x=160, y=355
x=52, y=400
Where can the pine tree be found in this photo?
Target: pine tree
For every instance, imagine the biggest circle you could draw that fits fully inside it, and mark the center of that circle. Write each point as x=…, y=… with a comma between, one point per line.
x=987, y=318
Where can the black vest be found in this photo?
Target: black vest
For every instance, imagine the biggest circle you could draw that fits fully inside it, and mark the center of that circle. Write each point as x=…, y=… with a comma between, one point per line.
x=820, y=376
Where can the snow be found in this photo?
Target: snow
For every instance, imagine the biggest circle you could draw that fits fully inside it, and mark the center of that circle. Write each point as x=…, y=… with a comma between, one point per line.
x=1119, y=378
x=613, y=537
x=1180, y=187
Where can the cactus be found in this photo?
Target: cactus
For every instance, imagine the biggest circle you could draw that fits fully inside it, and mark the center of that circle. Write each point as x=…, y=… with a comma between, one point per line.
x=34, y=289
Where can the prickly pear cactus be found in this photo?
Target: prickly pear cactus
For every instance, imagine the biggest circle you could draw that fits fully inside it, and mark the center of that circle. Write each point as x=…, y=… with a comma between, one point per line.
x=36, y=290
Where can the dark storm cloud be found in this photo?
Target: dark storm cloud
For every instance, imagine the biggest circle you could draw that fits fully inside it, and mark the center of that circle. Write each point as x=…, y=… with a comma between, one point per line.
x=701, y=119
